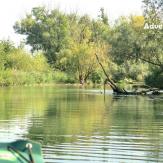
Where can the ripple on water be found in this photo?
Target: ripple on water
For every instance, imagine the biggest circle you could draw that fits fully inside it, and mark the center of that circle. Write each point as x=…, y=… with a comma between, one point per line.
x=103, y=149
x=78, y=126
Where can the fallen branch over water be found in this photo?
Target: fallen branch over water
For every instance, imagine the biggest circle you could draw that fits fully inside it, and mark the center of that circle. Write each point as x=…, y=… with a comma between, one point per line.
x=117, y=90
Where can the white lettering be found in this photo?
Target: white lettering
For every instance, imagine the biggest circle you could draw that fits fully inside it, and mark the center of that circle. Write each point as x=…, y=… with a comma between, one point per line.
x=153, y=26
x=146, y=26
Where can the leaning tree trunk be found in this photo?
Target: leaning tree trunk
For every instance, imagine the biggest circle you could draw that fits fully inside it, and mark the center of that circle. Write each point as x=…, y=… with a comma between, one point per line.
x=116, y=89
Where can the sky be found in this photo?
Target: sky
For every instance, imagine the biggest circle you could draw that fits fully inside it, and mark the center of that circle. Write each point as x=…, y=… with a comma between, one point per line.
x=13, y=10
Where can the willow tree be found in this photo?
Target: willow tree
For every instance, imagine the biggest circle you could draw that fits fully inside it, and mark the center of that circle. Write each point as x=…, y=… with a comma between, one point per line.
x=79, y=58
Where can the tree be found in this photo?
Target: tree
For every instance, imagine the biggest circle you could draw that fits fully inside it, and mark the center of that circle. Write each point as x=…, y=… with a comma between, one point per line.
x=130, y=41
x=103, y=16
x=153, y=9
x=6, y=47
x=79, y=58
x=152, y=40
x=45, y=30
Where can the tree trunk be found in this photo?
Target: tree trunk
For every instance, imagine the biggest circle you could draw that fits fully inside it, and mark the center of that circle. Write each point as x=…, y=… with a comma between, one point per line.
x=81, y=79
x=114, y=87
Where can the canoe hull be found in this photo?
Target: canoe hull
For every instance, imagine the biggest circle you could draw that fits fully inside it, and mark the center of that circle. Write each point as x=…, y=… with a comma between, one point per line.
x=17, y=152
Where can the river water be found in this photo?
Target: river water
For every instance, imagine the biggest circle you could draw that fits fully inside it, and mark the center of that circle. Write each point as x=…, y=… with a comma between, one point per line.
x=77, y=125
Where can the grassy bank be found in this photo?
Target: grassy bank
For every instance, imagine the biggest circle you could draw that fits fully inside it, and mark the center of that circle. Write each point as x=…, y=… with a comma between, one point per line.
x=19, y=78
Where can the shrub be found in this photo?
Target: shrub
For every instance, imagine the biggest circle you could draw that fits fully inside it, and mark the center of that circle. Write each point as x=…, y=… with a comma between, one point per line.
x=62, y=77
x=96, y=78
x=155, y=79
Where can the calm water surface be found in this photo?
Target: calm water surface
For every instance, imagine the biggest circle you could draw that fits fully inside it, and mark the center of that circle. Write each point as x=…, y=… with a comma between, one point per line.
x=78, y=126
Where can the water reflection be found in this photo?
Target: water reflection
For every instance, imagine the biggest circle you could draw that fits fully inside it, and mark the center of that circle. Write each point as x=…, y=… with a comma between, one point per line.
x=77, y=125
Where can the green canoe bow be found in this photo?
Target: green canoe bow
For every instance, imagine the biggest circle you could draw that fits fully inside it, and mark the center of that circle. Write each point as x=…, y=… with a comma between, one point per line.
x=21, y=151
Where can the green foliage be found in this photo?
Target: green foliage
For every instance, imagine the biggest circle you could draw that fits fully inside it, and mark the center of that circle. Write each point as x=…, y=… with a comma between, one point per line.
x=153, y=9
x=126, y=39
x=69, y=43
x=152, y=40
x=155, y=78
x=15, y=77
x=6, y=47
x=103, y=16
x=20, y=60
x=96, y=77
x=79, y=58
x=130, y=41
x=61, y=77
x=18, y=67
x=45, y=30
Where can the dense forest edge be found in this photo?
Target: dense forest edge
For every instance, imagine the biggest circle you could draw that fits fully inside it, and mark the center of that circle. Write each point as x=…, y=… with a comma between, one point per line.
x=67, y=48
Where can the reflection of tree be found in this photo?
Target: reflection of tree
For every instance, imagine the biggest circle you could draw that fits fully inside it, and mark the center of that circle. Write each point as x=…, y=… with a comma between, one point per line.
x=70, y=115
x=77, y=114
x=132, y=111
x=18, y=102
x=138, y=120
x=157, y=131
x=58, y=116
x=17, y=107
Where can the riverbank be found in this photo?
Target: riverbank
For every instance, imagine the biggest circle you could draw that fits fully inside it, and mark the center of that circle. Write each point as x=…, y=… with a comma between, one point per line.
x=23, y=78
x=14, y=78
